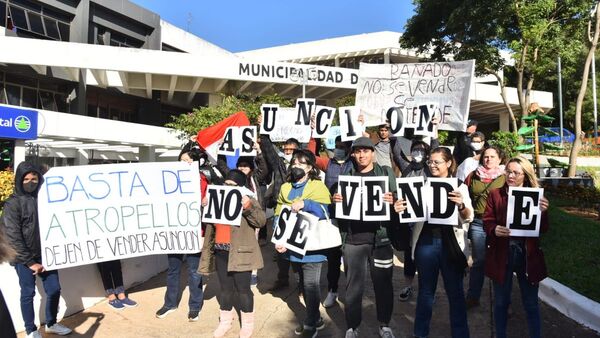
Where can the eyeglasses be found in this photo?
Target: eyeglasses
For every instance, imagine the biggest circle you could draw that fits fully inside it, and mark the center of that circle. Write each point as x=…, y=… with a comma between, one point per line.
x=434, y=163
x=514, y=173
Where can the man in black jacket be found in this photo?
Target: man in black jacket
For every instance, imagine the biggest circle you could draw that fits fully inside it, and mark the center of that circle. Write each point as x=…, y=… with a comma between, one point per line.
x=22, y=231
x=462, y=149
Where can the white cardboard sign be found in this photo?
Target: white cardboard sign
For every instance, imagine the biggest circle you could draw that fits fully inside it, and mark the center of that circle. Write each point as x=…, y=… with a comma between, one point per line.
x=524, y=215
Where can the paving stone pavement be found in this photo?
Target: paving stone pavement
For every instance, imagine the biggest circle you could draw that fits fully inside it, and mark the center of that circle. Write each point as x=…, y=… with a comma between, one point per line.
x=278, y=314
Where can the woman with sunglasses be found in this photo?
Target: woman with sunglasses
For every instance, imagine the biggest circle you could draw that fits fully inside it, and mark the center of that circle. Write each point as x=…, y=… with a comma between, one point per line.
x=506, y=255
x=438, y=247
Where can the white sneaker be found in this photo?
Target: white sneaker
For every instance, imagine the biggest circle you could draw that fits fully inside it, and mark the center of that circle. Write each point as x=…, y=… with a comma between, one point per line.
x=35, y=334
x=386, y=332
x=351, y=333
x=330, y=300
x=58, y=329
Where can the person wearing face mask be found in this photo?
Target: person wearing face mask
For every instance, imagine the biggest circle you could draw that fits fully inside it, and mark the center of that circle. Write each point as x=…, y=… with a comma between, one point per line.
x=304, y=191
x=233, y=252
x=20, y=219
x=340, y=164
x=462, y=149
x=471, y=163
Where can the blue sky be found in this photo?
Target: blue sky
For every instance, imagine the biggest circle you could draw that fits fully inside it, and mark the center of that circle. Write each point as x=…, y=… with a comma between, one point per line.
x=245, y=25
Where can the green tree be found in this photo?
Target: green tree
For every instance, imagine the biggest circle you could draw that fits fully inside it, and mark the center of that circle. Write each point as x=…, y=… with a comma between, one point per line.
x=532, y=31
x=202, y=117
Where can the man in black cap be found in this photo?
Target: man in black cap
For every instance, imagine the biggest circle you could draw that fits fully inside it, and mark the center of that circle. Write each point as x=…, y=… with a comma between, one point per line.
x=368, y=243
x=463, y=150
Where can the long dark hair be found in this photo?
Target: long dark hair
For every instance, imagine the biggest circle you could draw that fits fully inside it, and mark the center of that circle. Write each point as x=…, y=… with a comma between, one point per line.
x=447, y=155
x=304, y=156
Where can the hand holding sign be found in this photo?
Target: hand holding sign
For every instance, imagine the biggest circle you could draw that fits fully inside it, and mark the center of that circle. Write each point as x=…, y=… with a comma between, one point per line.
x=501, y=231
x=400, y=205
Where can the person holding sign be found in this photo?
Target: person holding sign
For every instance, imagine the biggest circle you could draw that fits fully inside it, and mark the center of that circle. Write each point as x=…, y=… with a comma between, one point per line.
x=442, y=247
x=233, y=252
x=368, y=243
x=506, y=255
x=487, y=177
x=20, y=217
x=303, y=191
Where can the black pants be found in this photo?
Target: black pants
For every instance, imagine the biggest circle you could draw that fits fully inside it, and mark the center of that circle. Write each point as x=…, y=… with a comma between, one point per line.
x=334, y=261
x=380, y=262
x=112, y=276
x=232, y=282
x=283, y=268
x=7, y=330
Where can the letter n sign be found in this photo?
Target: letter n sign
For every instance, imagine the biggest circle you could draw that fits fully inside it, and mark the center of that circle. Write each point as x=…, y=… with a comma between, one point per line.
x=224, y=205
x=523, y=213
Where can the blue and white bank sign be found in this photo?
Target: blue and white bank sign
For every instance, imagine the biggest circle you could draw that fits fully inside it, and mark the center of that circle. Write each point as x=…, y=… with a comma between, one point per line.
x=18, y=123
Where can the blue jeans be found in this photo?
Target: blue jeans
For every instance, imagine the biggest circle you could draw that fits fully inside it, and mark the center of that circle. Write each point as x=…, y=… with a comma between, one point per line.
x=529, y=295
x=194, y=281
x=477, y=270
x=430, y=258
x=52, y=289
x=310, y=274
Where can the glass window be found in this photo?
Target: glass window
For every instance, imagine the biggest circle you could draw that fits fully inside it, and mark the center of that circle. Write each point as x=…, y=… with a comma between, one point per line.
x=61, y=102
x=13, y=94
x=35, y=22
x=2, y=95
x=64, y=31
x=18, y=17
x=29, y=98
x=47, y=100
x=2, y=14
x=51, y=28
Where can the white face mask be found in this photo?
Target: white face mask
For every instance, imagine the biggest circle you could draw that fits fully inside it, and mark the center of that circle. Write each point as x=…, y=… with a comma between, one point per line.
x=477, y=146
x=288, y=158
x=417, y=156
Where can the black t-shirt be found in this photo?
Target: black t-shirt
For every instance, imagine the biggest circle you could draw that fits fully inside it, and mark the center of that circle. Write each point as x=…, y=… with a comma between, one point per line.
x=359, y=231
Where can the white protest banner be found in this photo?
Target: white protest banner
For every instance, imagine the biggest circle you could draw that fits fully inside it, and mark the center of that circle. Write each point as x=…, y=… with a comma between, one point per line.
x=350, y=188
x=411, y=190
x=96, y=213
x=323, y=120
x=293, y=230
x=385, y=88
x=439, y=208
x=286, y=127
x=230, y=140
x=224, y=205
x=351, y=128
x=523, y=211
x=374, y=208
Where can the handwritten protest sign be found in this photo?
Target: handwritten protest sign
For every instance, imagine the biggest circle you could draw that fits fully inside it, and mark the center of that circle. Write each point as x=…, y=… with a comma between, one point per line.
x=407, y=90
x=224, y=205
x=523, y=211
x=294, y=229
x=97, y=213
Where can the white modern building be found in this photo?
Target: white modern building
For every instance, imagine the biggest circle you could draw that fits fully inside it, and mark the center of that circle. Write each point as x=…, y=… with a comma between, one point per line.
x=104, y=76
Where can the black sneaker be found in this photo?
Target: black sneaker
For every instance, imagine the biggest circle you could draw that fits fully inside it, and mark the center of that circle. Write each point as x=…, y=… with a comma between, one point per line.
x=164, y=311
x=300, y=330
x=193, y=315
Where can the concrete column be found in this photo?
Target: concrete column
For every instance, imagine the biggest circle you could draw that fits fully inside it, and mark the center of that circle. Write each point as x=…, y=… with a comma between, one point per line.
x=337, y=61
x=19, y=154
x=504, y=121
x=386, y=56
x=214, y=100
x=81, y=157
x=147, y=154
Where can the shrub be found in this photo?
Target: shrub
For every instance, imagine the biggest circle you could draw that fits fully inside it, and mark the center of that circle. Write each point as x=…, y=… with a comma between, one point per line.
x=7, y=182
x=506, y=141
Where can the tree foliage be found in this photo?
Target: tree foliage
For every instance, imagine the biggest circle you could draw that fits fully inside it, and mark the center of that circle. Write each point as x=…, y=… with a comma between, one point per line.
x=202, y=117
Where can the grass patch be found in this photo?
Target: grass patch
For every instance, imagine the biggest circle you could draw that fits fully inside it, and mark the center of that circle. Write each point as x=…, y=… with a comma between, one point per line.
x=572, y=251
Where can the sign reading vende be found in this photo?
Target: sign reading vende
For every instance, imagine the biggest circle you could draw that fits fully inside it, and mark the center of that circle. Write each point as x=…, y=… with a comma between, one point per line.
x=97, y=213
x=18, y=123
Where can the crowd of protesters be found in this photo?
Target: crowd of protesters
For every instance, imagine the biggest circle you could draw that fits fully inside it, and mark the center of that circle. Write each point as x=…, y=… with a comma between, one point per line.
x=305, y=179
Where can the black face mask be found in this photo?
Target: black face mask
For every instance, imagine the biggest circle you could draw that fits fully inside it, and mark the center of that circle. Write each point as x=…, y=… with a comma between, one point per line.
x=30, y=187
x=297, y=174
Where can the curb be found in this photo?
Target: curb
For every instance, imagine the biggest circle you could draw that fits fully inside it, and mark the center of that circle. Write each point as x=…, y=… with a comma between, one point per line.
x=570, y=303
